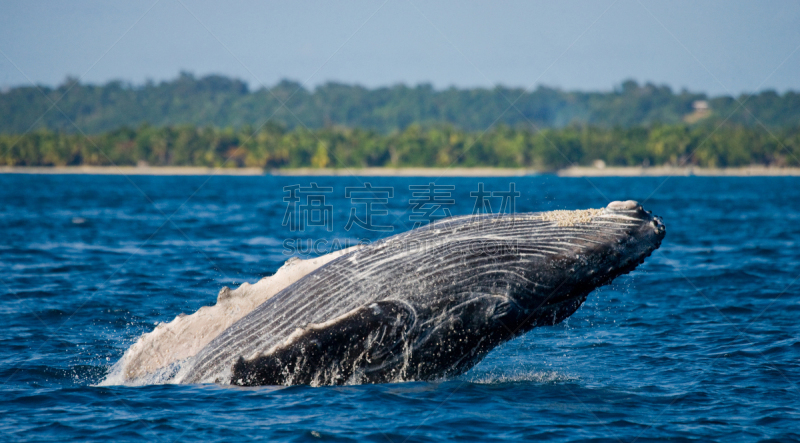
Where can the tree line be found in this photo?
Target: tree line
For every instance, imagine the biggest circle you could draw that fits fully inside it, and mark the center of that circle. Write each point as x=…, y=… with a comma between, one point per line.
x=221, y=102
x=273, y=146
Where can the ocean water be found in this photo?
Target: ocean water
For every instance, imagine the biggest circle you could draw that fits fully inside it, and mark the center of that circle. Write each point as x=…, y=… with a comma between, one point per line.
x=702, y=342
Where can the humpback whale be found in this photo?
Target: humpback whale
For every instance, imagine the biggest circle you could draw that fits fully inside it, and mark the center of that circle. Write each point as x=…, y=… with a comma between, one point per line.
x=428, y=303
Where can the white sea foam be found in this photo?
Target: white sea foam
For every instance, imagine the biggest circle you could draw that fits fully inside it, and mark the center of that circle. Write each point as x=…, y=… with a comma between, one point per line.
x=543, y=377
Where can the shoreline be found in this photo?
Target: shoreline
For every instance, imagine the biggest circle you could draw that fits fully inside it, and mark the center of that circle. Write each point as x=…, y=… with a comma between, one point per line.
x=687, y=171
x=298, y=172
x=575, y=171
x=409, y=172
x=129, y=170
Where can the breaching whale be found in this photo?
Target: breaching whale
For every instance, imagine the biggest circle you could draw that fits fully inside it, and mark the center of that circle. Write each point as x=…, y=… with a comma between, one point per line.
x=428, y=303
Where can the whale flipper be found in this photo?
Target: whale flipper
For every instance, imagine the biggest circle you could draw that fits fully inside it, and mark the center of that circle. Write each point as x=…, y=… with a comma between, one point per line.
x=362, y=341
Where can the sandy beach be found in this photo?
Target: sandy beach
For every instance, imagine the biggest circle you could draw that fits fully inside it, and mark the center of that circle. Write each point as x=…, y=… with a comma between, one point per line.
x=409, y=172
x=578, y=171
x=665, y=171
x=129, y=170
x=191, y=170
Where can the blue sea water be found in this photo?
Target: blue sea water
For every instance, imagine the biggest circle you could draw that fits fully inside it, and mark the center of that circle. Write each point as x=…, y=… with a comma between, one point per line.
x=702, y=342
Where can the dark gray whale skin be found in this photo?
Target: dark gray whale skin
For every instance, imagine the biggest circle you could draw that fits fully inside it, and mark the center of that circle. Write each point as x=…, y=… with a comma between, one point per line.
x=431, y=302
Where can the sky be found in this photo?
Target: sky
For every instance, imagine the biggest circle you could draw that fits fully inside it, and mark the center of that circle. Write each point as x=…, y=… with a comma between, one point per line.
x=717, y=47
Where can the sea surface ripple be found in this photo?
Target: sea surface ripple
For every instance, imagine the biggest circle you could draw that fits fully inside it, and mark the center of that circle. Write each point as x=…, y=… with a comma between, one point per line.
x=702, y=342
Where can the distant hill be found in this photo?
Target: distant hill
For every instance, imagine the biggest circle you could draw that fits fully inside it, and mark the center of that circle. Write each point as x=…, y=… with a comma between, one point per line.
x=223, y=102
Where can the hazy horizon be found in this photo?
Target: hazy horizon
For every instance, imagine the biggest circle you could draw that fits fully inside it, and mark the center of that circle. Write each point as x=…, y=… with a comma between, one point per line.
x=254, y=87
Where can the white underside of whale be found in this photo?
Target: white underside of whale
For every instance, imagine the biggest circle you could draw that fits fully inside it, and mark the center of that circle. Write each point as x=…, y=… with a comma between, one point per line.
x=158, y=354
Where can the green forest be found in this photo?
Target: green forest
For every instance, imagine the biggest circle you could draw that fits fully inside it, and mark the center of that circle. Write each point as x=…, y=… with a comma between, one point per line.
x=273, y=146
x=223, y=102
x=217, y=121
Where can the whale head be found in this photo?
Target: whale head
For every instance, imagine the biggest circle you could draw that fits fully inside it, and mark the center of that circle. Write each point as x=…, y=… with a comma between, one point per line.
x=587, y=249
x=626, y=235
